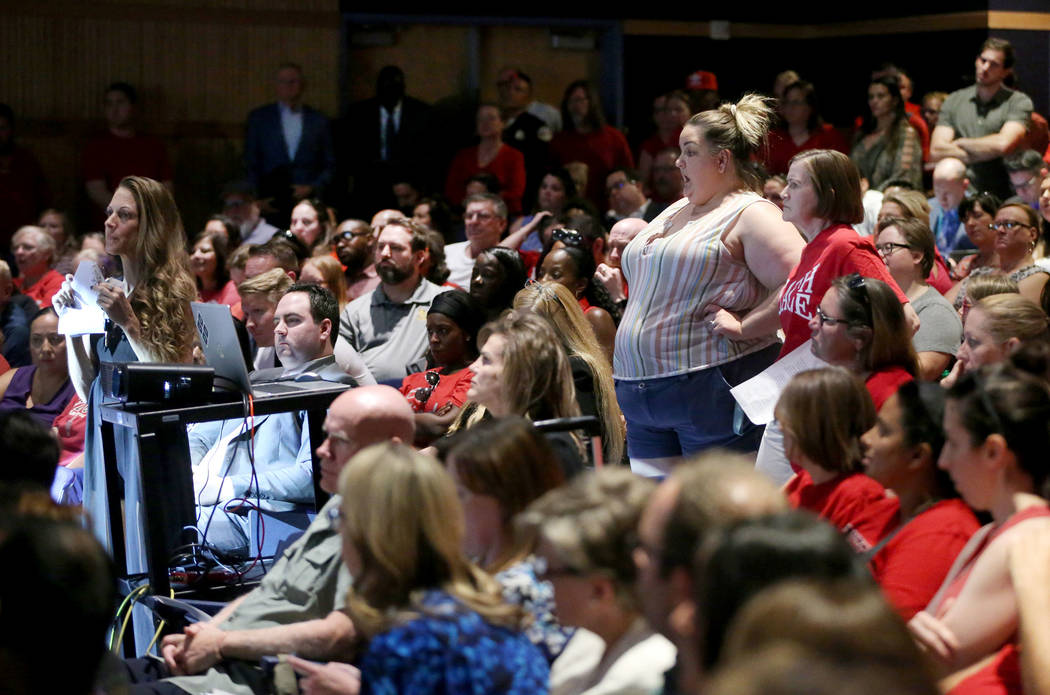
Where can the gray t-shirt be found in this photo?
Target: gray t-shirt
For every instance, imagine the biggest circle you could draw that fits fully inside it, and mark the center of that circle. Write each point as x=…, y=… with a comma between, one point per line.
x=940, y=328
x=970, y=118
x=391, y=336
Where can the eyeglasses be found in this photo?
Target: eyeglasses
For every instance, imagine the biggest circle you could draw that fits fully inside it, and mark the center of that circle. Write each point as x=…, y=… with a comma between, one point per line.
x=423, y=393
x=617, y=185
x=1024, y=184
x=349, y=235
x=826, y=320
x=570, y=237
x=476, y=215
x=1008, y=226
x=886, y=250
x=859, y=291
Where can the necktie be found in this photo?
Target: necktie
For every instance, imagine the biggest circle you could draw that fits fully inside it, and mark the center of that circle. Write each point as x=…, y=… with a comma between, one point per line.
x=389, y=136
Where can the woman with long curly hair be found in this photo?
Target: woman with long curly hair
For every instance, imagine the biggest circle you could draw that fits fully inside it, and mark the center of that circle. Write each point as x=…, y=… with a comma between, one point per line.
x=148, y=320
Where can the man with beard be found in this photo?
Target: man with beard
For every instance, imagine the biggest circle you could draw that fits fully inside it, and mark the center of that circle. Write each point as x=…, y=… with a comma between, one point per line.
x=355, y=247
x=388, y=326
x=981, y=124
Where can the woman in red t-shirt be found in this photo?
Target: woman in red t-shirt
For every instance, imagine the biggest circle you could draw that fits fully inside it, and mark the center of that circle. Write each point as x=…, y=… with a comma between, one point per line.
x=901, y=453
x=437, y=394
x=996, y=439
x=823, y=413
x=803, y=129
x=670, y=113
x=586, y=138
x=490, y=156
x=34, y=253
x=822, y=199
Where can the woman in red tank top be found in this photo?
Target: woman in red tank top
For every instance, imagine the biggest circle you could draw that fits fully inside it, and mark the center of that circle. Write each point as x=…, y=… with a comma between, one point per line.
x=997, y=435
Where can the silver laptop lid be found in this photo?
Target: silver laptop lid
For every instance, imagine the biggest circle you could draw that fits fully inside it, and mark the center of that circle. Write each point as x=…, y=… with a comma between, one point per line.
x=220, y=345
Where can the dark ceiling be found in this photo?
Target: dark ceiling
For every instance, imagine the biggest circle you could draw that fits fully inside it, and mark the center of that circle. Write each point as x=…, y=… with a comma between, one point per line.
x=756, y=11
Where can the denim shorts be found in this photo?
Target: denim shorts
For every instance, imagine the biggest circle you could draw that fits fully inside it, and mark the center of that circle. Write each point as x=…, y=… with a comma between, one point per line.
x=688, y=413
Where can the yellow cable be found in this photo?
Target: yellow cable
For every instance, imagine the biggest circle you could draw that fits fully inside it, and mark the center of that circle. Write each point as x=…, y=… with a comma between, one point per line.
x=116, y=616
x=171, y=592
x=134, y=596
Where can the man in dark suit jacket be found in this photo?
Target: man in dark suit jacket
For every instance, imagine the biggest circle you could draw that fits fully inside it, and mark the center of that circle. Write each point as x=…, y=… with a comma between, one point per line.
x=382, y=141
x=627, y=198
x=288, y=152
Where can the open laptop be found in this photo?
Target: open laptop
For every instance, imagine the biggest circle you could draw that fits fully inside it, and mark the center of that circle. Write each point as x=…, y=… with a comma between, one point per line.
x=222, y=349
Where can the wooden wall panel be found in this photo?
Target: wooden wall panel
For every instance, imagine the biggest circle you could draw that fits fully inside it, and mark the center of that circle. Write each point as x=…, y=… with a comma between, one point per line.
x=199, y=67
x=434, y=59
x=529, y=48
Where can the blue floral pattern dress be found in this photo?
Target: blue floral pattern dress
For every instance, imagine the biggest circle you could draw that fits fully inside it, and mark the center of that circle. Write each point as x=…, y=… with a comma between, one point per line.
x=522, y=587
x=451, y=650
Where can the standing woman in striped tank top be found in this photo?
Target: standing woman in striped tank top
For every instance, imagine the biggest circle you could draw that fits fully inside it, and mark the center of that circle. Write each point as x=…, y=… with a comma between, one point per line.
x=721, y=253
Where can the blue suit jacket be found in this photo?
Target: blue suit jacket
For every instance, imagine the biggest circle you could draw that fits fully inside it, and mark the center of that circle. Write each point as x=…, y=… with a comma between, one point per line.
x=265, y=152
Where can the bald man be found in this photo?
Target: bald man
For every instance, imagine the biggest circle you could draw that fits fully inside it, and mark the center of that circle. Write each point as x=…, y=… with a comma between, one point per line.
x=385, y=217
x=712, y=489
x=298, y=606
x=609, y=273
x=949, y=189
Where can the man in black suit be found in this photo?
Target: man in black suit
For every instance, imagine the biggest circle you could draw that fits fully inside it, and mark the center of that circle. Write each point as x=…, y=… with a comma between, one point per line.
x=288, y=152
x=382, y=140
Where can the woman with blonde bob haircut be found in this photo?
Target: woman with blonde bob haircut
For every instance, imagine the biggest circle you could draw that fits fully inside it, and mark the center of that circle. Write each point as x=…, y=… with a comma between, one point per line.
x=595, y=391
x=906, y=204
x=432, y=621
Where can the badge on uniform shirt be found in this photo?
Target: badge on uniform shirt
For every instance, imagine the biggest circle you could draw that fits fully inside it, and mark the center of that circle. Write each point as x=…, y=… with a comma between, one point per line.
x=421, y=314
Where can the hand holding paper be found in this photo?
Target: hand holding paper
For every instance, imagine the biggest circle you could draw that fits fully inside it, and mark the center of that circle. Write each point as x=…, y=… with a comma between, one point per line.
x=77, y=303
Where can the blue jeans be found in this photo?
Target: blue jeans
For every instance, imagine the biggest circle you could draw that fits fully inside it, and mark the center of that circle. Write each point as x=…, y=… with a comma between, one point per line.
x=688, y=413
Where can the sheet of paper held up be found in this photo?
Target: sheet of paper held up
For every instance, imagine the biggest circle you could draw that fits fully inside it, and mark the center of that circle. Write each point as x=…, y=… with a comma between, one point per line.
x=758, y=395
x=85, y=316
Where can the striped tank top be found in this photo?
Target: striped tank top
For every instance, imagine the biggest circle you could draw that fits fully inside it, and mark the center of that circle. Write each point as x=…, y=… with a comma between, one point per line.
x=676, y=279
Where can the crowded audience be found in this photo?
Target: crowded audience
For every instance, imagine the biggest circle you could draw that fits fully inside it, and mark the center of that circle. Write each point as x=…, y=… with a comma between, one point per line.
x=536, y=472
